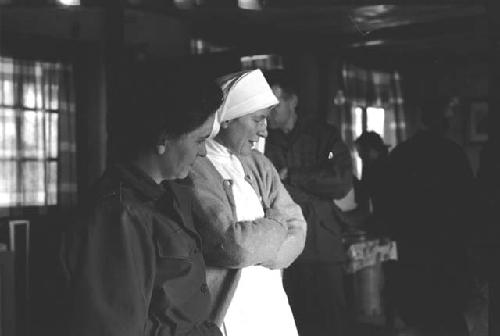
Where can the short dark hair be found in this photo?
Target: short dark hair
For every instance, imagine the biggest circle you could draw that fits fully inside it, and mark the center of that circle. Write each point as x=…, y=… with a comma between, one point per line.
x=283, y=79
x=163, y=103
x=370, y=139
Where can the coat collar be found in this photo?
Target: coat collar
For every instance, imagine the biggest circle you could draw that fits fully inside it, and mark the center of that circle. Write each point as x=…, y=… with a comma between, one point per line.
x=138, y=180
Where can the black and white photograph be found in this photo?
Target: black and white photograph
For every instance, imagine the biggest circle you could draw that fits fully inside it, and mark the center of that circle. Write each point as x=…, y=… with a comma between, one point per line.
x=249, y=167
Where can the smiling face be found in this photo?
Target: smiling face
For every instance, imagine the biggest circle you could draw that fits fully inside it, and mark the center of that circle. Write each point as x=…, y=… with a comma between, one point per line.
x=241, y=134
x=181, y=153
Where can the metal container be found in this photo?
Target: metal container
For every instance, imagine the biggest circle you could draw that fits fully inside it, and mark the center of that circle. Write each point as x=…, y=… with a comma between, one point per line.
x=365, y=287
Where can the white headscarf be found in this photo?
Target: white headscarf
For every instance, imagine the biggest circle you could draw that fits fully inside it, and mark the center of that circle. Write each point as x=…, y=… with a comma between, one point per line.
x=244, y=93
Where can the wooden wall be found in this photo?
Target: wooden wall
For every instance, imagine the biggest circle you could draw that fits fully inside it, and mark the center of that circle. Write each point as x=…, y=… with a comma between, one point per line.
x=465, y=78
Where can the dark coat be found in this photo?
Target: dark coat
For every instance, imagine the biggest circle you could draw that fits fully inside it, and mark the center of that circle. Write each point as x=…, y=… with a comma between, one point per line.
x=319, y=170
x=430, y=196
x=133, y=261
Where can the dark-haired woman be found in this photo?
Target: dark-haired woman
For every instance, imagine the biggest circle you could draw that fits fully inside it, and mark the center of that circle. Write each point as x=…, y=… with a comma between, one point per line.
x=132, y=257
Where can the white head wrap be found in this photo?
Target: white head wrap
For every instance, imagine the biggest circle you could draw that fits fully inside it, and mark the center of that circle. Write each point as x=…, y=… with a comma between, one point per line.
x=244, y=93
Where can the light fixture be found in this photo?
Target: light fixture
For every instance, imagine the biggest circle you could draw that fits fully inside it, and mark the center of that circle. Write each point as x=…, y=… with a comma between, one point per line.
x=188, y=4
x=264, y=62
x=370, y=43
x=69, y=2
x=250, y=4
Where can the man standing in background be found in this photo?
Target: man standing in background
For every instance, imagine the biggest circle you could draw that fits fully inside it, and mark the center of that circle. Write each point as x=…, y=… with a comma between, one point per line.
x=429, y=195
x=316, y=168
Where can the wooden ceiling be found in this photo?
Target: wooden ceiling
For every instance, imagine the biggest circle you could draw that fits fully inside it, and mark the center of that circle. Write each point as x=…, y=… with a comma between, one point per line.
x=357, y=26
x=419, y=28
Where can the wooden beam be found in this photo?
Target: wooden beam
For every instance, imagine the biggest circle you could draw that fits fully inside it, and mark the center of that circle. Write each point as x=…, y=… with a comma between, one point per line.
x=113, y=47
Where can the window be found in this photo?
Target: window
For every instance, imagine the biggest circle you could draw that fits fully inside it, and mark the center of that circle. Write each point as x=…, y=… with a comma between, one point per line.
x=367, y=119
x=263, y=62
x=30, y=113
x=199, y=47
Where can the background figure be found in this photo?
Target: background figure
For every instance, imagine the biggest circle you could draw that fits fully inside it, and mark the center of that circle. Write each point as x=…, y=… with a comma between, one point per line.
x=316, y=168
x=370, y=189
x=132, y=257
x=251, y=227
x=430, y=196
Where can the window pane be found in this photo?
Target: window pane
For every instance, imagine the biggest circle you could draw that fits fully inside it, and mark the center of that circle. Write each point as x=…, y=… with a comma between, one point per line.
x=32, y=135
x=8, y=133
x=7, y=89
x=357, y=121
x=52, y=183
x=51, y=73
x=375, y=120
x=38, y=85
x=8, y=186
x=51, y=134
x=6, y=65
x=33, y=181
x=6, y=82
x=32, y=86
x=29, y=95
x=54, y=97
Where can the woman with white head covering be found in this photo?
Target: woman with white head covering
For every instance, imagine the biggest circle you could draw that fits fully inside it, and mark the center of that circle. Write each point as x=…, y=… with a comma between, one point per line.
x=250, y=226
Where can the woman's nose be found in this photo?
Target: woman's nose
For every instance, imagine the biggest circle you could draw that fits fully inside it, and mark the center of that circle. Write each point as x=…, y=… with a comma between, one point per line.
x=262, y=132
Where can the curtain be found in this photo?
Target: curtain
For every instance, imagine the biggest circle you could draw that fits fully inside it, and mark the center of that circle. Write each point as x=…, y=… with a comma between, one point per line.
x=369, y=88
x=364, y=88
x=37, y=135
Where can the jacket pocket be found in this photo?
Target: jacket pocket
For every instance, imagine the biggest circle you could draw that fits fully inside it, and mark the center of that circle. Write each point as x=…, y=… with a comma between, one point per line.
x=180, y=271
x=173, y=259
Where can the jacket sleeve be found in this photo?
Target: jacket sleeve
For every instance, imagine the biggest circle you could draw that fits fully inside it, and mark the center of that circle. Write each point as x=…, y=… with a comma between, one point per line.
x=284, y=210
x=227, y=242
x=108, y=258
x=332, y=177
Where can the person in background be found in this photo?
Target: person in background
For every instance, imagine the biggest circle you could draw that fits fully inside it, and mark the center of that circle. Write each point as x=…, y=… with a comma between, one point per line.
x=370, y=192
x=132, y=258
x=316, y=168
x=251, y=228
x=429, y=197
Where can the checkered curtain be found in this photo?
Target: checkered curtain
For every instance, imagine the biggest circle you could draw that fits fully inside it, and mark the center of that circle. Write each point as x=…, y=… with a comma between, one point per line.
x=67, y=185
x=365, y=88
x=37, y=135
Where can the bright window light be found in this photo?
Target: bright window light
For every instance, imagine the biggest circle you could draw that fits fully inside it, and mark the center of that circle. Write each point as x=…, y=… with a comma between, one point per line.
x=357, y=122
x=375, y=120
x=358, y=163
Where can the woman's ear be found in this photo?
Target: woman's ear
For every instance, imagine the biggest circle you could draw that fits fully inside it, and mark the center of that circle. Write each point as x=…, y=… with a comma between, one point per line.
x=160, y=149
x=161, y=146
x=225, y=124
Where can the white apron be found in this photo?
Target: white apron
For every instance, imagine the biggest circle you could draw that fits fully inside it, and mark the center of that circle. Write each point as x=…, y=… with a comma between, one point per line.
x=260, y=304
